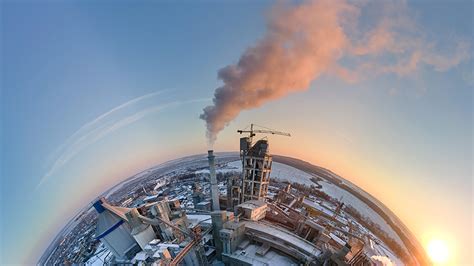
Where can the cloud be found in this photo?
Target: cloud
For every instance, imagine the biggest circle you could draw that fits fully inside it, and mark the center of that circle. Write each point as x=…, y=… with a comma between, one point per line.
x=103, y=126
x=442, y=63
x=313, y=38
x=81, y=133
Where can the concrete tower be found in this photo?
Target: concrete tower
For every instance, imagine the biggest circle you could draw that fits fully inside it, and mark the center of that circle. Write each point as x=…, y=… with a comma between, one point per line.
x=213, y=179
x=256, y=168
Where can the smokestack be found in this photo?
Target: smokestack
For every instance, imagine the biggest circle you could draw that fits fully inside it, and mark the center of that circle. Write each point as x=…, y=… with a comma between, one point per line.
x=213, y=178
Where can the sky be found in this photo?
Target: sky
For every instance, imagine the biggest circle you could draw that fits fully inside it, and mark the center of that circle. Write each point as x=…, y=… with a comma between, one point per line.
x=93, y=92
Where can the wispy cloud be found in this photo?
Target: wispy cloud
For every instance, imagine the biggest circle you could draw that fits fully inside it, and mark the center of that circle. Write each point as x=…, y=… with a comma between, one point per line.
x=81, y=133
x=103, y=126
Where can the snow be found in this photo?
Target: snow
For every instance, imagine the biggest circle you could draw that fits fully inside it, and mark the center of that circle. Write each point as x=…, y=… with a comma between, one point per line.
x=235, y=166
x=281, y=172
x=384, y=260
x=99, y=257
x=195, y=219
x=349, y=199
x=285, y=172
x=318, y=207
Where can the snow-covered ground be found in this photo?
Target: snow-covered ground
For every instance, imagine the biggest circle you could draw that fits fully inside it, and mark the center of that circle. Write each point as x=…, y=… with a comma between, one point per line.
x=285, y=172
x=99, y=257
x=349, y=199
x=388, y=257
x=235, y=166
x=279, y=171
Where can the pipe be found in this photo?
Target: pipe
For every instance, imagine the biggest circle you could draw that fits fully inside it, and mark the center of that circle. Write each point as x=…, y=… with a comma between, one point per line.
x=213, y=179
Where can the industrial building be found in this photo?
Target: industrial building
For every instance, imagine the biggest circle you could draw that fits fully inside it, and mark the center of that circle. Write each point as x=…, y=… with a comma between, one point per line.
x=244, y=227
x=257, y=165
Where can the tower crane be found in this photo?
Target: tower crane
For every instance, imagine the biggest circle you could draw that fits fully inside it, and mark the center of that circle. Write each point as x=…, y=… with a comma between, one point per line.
x=252, y=132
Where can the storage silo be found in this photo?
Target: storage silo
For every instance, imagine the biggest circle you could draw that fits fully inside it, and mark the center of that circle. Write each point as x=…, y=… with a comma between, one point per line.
x=114, y=232
x=143, y=233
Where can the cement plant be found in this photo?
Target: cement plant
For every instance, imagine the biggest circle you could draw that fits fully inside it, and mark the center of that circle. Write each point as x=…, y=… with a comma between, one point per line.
x=246, y=208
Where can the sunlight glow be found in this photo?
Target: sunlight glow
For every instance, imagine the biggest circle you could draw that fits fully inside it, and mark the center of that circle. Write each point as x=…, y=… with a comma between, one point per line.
x=438, y=251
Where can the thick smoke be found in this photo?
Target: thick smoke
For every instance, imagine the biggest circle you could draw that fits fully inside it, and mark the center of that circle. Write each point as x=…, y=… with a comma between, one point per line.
x=306, y=40
x=300, y=44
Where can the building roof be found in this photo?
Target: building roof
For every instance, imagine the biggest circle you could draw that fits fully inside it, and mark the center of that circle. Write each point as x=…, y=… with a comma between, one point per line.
x=249, y=254
x=319, y=207
x=141, y=256
x=119, y=211
x=337, y=239
x=195, y=219
x=284, y=236
x=252, y=204
x=150, y=198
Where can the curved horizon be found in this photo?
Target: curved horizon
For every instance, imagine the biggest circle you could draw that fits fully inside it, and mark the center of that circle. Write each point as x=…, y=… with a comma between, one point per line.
x=379, y=92
x=177, y=161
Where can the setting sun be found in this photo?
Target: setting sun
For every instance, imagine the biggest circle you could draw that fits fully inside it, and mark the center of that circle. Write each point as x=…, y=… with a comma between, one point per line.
x=438, y=251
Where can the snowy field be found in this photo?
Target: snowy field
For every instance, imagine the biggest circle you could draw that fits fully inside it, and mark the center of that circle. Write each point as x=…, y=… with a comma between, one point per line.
x=285, y=172
x=235, y=166
x=279, y=171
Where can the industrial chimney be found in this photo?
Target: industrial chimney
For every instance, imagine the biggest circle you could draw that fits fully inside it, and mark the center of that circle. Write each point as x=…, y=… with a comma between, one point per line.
x=213, y=178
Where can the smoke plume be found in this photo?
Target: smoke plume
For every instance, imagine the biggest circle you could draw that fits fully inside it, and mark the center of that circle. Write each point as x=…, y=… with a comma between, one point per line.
x=304, y=41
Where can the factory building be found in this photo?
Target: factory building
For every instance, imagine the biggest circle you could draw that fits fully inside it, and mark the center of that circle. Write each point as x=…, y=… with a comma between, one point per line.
x=288, y=229
x=114, y=232
x=234, y=187
x=158, y=233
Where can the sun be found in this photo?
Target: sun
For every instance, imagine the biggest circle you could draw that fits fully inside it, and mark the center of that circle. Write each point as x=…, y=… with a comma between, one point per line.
x=438, y=251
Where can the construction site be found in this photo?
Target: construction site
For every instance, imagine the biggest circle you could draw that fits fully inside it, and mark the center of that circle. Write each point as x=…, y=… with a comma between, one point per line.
x=241, y=221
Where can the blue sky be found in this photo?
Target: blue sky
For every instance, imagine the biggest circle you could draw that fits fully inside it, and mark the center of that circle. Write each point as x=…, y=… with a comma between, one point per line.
x=406, y=140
